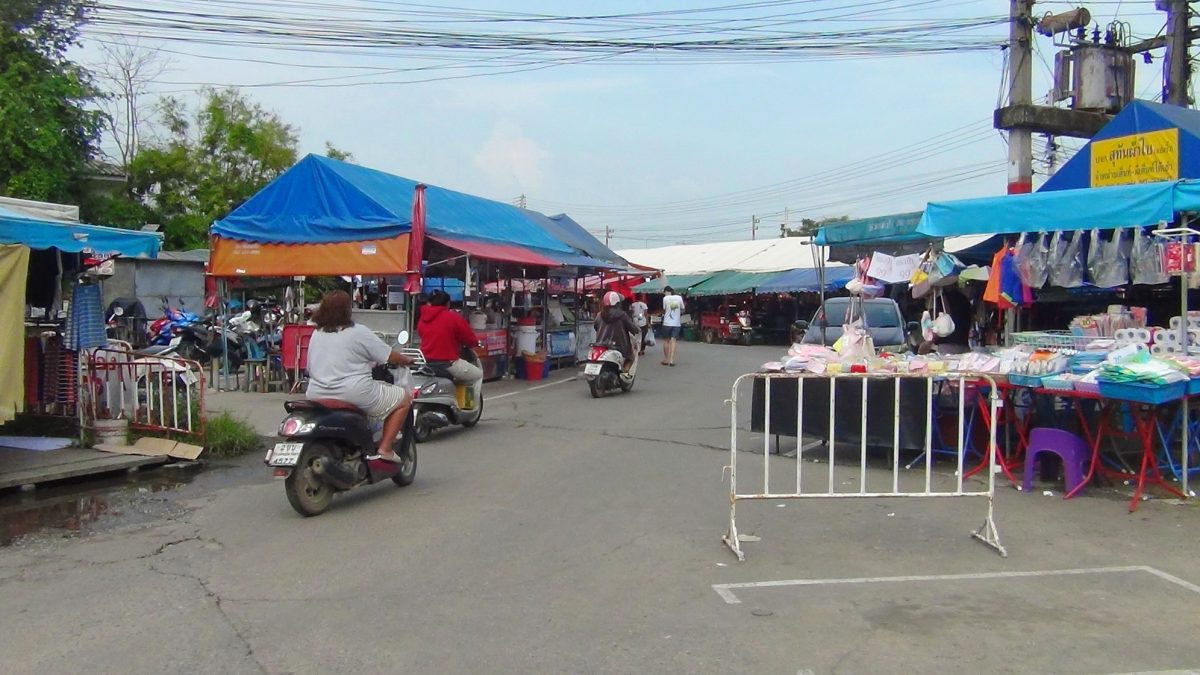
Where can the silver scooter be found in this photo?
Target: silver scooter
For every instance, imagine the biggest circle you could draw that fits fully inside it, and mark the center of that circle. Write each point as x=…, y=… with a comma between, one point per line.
x=438, y=401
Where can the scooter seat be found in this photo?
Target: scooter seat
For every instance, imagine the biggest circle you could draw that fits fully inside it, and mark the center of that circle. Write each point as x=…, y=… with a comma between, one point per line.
x=440, y=369
x=322, y=404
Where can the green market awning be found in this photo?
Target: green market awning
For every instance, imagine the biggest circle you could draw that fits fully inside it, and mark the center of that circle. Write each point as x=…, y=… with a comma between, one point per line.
x=679, y=282
x=732, y=282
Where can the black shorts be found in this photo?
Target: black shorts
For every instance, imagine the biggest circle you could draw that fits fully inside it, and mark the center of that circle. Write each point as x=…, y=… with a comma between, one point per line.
x=669, y=332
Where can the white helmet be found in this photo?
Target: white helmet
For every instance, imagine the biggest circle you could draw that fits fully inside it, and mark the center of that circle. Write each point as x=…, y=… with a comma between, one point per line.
x=612, y=299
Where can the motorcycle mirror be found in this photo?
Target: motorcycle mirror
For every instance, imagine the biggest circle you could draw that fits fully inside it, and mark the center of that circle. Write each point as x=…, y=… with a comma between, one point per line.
x=402, y=338
x=118, y=311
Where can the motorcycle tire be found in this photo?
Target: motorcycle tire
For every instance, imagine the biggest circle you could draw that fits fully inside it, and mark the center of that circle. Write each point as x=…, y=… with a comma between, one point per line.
x=306, y=492
x=709, y=336
x=478, y=415
x=745, y=339
x=422, y=432
x=596, y=388
x=406, y=447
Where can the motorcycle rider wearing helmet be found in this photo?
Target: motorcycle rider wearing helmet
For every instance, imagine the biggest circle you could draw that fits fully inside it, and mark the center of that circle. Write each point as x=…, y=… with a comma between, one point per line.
x=443, y=335
x=614, y=326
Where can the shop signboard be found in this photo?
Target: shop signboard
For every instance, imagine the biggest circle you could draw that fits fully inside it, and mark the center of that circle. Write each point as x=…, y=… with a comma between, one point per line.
x=1138, y=158
x=495, y=341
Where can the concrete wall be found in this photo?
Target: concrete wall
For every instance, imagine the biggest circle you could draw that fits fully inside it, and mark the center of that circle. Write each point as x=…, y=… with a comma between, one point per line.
x=149, y=280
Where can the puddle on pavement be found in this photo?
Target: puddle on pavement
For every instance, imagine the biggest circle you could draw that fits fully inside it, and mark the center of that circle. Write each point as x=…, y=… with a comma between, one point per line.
x=69, y=509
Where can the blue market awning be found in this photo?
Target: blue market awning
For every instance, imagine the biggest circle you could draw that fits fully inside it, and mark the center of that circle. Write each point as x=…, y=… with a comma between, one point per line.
x=1062, y=210
x=896, y=227
x=19, y=228
x=321, y=200
x=808, y=279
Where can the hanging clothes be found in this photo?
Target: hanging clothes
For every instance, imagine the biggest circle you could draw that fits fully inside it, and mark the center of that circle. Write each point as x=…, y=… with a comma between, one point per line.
x=85, y=319
x=14, y=269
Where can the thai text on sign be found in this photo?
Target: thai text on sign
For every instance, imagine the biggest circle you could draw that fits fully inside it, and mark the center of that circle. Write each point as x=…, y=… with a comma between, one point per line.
x=1138, y=158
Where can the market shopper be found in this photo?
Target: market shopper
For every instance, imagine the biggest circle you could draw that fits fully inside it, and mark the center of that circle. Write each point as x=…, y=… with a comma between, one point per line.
x=341, y=355
x=639, y=311
x=444, y=334
x=672, y=324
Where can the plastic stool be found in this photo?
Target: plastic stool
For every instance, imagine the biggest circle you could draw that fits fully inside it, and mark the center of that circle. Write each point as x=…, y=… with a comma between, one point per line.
x=1073, y=451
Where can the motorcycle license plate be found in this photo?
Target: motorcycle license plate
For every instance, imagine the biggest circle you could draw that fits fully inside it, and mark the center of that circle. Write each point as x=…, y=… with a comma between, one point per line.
x=592, y=369
x=284, y=454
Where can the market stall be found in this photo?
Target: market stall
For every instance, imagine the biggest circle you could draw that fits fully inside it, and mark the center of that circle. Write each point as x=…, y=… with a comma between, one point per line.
x=1122, y=378
x=41, y=245
x=328, y=218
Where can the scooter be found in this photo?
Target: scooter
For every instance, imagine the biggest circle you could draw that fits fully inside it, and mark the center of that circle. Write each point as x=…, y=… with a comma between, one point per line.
x=439, y=401
x=603, y=369
x=325, y=448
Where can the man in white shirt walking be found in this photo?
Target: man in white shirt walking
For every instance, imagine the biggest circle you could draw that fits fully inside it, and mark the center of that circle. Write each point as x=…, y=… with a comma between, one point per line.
x=639, y=309
x=672, y=324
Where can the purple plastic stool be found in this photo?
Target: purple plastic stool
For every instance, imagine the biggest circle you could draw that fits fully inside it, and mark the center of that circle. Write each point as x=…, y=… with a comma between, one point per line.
x=1073, y=451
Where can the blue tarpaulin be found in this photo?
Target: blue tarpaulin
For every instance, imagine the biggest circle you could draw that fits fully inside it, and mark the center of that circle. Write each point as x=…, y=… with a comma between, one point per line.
x=808, y=279
x=572, y=233
x=897, y=227
x=1083, y=209
x=19, y=228
x=321, y=200
x=1139, y=117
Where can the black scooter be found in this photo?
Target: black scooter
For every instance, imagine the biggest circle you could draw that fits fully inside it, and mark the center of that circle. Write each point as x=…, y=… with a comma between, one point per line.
x=325, y=450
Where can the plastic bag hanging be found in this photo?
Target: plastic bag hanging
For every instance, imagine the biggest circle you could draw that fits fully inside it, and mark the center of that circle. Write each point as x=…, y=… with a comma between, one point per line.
x=1031, y=253
x=1146, y=259
x=1108, y=261
x=1066, y=266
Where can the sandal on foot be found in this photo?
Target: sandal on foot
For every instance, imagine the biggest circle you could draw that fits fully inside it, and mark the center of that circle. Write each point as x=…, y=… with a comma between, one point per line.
x=393, y=458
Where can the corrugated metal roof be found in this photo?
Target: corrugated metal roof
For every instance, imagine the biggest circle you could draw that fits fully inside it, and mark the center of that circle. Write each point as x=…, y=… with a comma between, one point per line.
x=762, y=255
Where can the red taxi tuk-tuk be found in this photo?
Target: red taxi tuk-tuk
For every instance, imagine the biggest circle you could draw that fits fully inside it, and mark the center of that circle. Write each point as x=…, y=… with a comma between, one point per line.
x=726, y=325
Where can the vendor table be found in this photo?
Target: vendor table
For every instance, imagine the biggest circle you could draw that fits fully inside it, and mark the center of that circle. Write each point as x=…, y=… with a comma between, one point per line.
x=881, y=401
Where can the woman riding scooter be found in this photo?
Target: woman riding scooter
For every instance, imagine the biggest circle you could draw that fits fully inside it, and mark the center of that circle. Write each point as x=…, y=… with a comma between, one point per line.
x=614, y=326
x=341, y=356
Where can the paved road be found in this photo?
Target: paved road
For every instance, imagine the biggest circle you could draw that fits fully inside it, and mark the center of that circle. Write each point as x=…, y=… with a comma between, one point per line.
x=565, y=534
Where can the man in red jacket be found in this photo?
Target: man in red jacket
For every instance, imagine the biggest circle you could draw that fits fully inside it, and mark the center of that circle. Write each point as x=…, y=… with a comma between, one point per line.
x=443, y=335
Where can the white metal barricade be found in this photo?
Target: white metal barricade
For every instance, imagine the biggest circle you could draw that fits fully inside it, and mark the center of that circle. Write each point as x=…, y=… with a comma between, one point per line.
x=155, y=393
x=913, y=488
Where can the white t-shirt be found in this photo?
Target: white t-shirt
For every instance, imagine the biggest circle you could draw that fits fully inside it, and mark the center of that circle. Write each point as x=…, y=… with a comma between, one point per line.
x=339, y=365
x=672, y=310
x=639, y=309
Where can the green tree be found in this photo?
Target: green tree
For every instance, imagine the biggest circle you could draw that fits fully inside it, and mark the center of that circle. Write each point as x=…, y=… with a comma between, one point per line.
x=334, y=152
x=808, y=226
x=208, y=162
x=47, y=134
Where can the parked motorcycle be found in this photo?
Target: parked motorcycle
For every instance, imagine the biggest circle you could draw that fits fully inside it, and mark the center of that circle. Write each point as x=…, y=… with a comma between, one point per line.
x=438, y=400
x=325, y=448
x=603, y=369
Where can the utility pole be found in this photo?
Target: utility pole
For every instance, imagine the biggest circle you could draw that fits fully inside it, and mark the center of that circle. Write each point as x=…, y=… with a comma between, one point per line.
x=1176, y=69
x=783, y=228
x=1020, y=93
x=608, y=233
x=521, y=200
x=753, y=227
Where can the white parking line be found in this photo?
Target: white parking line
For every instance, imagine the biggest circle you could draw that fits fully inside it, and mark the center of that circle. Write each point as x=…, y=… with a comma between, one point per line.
x=727, y=594
x=540, y=386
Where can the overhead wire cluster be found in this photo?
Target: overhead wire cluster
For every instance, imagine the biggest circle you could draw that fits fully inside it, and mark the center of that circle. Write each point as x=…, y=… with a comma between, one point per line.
x=415, y=37
x=851, y=187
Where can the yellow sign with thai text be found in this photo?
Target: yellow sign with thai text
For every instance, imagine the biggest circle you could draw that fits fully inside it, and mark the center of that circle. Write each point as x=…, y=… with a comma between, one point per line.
x=1138, y=158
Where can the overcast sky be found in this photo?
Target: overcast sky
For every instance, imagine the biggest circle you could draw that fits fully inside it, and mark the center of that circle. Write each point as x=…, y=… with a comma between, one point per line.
x=662, y=149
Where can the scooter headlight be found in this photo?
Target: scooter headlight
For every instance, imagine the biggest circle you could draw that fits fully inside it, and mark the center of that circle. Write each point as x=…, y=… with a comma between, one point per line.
x=294, y=426
x=428, y=389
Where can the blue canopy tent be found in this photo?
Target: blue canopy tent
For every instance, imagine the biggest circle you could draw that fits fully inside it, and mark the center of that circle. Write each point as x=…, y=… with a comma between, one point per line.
x=321, y=203
x=1140, y=143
